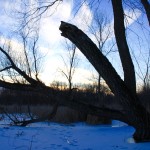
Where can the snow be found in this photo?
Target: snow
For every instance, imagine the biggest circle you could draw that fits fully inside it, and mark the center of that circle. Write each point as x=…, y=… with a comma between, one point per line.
x=77, y=136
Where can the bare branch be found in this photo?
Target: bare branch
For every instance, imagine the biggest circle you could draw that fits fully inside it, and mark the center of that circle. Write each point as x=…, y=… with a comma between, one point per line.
x=22, y=73
x=47, y=117
x=36, y=12
x=6, y=68
x=70, y=65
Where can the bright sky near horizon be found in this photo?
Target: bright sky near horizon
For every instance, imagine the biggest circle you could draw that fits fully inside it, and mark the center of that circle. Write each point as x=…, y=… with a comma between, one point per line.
x=51, y=41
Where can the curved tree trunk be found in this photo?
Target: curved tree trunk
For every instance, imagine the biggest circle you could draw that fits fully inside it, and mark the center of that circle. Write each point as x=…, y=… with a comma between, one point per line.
x=127, y=64
x=133, y=112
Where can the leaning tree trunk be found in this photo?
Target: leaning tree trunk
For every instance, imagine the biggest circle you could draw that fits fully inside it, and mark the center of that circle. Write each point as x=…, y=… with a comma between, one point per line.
x=133, y=112
x=119, y=28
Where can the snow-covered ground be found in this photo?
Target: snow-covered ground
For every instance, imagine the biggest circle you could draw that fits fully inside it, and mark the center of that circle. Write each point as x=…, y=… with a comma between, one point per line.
x=78, y=136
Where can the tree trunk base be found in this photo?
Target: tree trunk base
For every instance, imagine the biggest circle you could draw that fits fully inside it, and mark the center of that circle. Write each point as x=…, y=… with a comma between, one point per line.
x=142, y=135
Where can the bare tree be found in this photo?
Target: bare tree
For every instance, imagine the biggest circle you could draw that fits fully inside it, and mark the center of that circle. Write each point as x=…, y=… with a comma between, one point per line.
x=101, y=30
x=142, y=5
x=144, y=76
x=69, y=31
x=70, y=64
x=132, y=111
x=32, y=11
x=21, y=64
x=26, y=55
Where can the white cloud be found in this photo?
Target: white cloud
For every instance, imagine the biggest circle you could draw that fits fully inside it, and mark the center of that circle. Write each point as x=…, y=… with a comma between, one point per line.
x=51, y=38
x=15, y=45
x=52, y=72
x=51, y=34
x=82, y=76
x=129, y=20
x=83, y=18
x=131, y=16
x=16, y=48
x=50, y=25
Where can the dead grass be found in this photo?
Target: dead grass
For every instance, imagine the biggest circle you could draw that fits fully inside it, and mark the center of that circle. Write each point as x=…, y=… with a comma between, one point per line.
x=63, y=114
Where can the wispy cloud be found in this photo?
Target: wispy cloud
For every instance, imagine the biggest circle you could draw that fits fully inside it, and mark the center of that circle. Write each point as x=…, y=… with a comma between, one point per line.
x=83, y=18
x=50, y=38
x=50, y=25
x=131, y=17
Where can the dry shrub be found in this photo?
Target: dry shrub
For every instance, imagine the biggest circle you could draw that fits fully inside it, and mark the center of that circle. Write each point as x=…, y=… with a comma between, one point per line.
x=17, y=102
x=63, y=114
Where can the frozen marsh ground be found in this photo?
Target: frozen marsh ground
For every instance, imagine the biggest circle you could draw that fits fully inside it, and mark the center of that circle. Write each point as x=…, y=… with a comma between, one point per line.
x=77, y=136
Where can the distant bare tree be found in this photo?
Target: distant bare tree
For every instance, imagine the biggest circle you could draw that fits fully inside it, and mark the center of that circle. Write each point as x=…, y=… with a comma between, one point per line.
x=102, y=32
x=27, y=58
x=70, y=63
x=144, y=76
x=58, y=85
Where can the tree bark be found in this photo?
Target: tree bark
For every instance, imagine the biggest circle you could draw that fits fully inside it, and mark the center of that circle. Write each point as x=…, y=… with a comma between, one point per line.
x=133, y=112
x=119, y=28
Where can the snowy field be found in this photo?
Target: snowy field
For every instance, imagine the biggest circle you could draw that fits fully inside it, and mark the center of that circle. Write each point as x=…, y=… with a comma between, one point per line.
x=78, y=136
